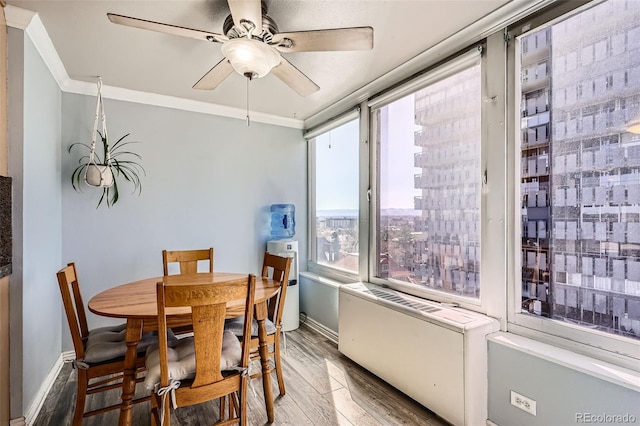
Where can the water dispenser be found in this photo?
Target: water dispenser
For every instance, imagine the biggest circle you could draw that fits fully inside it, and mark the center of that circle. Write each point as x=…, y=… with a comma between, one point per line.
x=283, y=221
x=291, y=312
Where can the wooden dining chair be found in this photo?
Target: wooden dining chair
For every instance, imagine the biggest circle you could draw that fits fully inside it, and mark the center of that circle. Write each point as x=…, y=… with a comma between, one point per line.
x=209, y=365
x=277, y=268
x=187, y=260
x=99, y=353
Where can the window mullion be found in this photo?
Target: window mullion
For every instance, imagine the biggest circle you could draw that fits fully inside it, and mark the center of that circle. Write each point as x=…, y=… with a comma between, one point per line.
x=365, y=185
x=495, y=191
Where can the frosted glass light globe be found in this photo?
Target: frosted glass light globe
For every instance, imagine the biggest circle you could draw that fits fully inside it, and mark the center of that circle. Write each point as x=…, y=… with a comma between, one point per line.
x=251, y=56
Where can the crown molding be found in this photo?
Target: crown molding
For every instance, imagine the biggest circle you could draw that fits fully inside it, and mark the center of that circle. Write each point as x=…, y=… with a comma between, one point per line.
x=29, y=22
x=32, y=25
x=17, y=17
x=40, y=38
x=147, y=98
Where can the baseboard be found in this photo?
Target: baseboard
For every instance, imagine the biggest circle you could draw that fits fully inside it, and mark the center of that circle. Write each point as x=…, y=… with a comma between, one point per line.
x=36, y=405
x=319, y=328
x=17, y=422
x=68, y=356
x=490, y=423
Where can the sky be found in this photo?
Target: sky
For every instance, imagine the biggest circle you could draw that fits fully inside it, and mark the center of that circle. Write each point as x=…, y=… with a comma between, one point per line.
x=337, y=162
x=337, y=168
x=397, y=160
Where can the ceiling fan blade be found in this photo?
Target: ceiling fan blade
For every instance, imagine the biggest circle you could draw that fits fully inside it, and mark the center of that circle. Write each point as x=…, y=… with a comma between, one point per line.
x=166, y=28
x=215, y=76
x=356, y=38
x=247, y=10
x=294, y=78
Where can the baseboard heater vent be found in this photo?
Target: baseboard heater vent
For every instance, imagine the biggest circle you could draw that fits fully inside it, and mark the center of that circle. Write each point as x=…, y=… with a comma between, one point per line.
x=435, y=354
x=403, y=301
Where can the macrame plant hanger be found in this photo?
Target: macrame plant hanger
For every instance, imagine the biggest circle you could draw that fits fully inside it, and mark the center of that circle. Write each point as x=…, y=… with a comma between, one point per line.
x=99, y=174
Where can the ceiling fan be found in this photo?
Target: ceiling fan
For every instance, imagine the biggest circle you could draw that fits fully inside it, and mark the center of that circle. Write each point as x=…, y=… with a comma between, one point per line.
x=253, y=47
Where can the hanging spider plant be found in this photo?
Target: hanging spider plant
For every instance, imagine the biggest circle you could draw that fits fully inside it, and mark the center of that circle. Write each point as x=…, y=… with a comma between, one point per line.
x=104, y=171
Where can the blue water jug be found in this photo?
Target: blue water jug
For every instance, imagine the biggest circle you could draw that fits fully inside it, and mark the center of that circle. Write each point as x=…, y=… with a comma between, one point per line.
x=283, y=222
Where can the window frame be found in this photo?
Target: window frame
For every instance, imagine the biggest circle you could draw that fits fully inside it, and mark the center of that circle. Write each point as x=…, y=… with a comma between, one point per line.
x=313, y=266
x=607, y=346
x=500, y=266
x=466, y=58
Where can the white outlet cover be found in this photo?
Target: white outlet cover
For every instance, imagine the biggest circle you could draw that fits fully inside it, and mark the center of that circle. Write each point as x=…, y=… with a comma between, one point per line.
x=523, y=403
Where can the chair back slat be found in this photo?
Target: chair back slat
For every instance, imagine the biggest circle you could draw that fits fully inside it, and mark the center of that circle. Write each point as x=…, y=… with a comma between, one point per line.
x=279, y=267
x=187, y=260
x=73, y=307
x=208, y=304
x=208, y=324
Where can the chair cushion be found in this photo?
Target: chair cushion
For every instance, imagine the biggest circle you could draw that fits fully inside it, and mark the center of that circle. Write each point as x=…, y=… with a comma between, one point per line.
x=182, y=359
x=236, y=326
x=104, y=345
x=108, y=329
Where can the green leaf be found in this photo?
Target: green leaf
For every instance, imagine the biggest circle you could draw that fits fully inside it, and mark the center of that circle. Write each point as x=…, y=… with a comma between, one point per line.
x=105, y=191
x=122, y=163
x=75, y=177
x=114, y=198
x=120, y=140
x=117, y=154
x=80, y=144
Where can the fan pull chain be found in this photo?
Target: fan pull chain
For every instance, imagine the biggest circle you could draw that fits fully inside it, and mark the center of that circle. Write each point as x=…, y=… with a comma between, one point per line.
x=248, y=120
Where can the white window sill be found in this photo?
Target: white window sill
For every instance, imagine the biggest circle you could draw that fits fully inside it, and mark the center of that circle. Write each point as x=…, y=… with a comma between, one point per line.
x=330, y=282
x=600, y=369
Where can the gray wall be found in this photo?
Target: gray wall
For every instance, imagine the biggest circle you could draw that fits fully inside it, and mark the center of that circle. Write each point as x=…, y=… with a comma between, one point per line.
x=210, y=181
x=34, y=163
x=560, y=393
x=319, y=302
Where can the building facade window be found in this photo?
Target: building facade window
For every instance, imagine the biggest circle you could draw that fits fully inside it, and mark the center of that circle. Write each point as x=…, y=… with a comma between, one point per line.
x=428, y=143
x=585, y=271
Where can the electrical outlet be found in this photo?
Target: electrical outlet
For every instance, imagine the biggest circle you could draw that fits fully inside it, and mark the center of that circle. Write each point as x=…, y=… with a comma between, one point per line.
x=523, y=403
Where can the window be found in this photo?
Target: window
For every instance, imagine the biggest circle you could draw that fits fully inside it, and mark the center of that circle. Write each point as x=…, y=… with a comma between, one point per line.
x=504, y=181
x=585, y=271
x=336, y=185
x=427, y=232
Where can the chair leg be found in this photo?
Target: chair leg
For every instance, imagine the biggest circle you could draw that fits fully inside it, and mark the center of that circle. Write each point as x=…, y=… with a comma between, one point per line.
x=242, y=404
x=81, y=397
x=155, y=414
x=152, y=414
x=223, y=403
x=166, y=410
x=284, y=339
x=278, y=362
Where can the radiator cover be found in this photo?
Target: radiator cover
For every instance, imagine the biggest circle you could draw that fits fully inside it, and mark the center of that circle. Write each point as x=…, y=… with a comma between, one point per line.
x=435, y=354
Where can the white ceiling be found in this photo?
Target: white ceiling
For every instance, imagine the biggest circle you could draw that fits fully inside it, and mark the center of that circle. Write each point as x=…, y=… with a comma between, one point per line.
x=89, y=45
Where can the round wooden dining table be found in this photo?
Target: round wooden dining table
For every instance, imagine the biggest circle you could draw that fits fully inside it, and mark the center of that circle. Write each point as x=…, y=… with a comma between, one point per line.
x=136, y=303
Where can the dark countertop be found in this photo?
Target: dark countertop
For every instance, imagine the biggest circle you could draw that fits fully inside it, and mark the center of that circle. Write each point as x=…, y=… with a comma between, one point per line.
x=5, y=226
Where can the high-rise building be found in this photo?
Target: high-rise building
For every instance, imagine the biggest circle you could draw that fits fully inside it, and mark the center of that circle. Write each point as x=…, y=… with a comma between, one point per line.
x=534, y=167
x=580, y=170
x=448, y=247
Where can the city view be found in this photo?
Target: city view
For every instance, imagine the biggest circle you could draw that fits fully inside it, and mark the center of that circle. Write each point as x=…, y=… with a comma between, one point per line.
x=579, y=177
x=580, y=169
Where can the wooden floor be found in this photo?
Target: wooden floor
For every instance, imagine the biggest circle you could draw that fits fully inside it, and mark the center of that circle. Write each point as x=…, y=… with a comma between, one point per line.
x=323, y=387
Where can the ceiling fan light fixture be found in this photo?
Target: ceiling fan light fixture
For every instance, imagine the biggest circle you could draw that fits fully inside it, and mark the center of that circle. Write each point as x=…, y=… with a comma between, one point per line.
x=251, y=57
